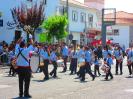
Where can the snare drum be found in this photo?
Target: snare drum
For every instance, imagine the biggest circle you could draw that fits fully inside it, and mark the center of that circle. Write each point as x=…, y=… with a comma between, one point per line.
x=34, y=62
x=81, y=64
x=105, y=68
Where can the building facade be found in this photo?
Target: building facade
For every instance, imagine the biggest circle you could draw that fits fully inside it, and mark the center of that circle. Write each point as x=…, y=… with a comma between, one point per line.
x=81, y=17
x=122, y=32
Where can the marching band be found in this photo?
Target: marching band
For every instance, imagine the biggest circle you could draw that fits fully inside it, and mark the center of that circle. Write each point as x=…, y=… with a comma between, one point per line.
x=82, y=59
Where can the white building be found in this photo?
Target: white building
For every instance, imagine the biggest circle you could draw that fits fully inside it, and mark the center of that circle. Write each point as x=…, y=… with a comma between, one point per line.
x=81, y=17
x=122, y=32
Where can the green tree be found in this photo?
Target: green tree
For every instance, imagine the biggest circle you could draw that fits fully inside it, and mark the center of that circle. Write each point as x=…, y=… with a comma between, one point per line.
x=55, y=27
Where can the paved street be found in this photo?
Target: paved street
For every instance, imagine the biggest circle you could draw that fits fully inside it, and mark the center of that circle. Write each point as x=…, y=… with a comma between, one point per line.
x=66, y=87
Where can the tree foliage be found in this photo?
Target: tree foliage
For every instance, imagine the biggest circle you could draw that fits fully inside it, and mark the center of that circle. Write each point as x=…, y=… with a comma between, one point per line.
x=56, y=27
x=28, y=18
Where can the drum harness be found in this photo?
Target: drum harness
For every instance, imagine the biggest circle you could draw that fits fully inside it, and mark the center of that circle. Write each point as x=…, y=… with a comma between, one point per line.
x=20, y=53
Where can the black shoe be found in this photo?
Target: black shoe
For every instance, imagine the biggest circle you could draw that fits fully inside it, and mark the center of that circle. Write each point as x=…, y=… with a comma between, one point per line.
x=51, y=74
x=77, y=78
x=27, y=96
x=71, y=74
x=93, y=78
x=82, y=80
x=99, y=74
x=116, y=73
x=121, y=73
x=111, y=78
x=46, y=79
x=20, y=96
x=54, y=76
x=63, y=71
x=106, y=79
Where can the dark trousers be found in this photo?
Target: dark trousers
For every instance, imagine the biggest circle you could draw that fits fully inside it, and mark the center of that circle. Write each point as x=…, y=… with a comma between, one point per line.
x=117, y=65
x=82, y=73
x=54, y=71
x=65, y=63
x=12, y=71
x=96, y=69
x=24, y=75
x=109, y=74
x=130, y=68
x=45, y=68
x=88, y=69
x=73, y=65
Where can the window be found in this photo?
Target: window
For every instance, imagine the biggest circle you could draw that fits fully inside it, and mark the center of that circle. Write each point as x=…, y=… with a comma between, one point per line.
x=45, y=2
x=83, y=17
x=116, y=32
x=90, y=20
x=74, y=16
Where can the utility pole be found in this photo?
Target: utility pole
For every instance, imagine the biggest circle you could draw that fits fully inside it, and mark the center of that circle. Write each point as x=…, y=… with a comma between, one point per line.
x=107, y=21
x=67, y=12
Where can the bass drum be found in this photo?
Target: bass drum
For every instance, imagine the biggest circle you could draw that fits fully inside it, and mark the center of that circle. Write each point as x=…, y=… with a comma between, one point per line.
x=34, y=62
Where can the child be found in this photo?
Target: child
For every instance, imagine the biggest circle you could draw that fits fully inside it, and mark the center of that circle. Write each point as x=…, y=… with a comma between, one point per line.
x=109, y=62
x=96, y=66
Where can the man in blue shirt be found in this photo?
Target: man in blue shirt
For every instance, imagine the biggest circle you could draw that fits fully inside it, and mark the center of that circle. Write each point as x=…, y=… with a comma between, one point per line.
x=65, y=56
x=119, y=59
x=73, y=64
x=53, y=58
x=88, y=62
x=130, y=61
x=45, y=56
x=23, y=66
x=81, y=60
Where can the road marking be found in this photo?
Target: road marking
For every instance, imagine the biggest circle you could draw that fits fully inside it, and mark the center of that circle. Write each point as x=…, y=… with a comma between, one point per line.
x=4, y=86
x=129, y=90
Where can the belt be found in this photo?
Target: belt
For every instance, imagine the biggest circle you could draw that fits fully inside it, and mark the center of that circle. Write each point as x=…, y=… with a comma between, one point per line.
x=28, y=67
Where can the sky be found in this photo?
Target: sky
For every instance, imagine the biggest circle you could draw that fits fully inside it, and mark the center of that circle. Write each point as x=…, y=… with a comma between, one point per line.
x=120, y=5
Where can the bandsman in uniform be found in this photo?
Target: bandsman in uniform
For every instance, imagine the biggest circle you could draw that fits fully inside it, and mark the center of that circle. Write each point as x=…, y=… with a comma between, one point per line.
x=53, y=59
x=23, y=66
x=65, y=56
x=45, y=56
x=73, y=64
x=109, y=62
x=119, y=59
x=88, y=62
x=130, y=61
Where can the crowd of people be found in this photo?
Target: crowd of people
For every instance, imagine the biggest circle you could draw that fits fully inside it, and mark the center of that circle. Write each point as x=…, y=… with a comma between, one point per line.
x=81, y=60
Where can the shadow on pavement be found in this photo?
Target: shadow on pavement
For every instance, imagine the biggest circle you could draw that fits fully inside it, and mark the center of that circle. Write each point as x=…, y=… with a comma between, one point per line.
x=81, y=81
x=20, y=98
x=106, y=80
x=128, y=77
x=51, y=78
